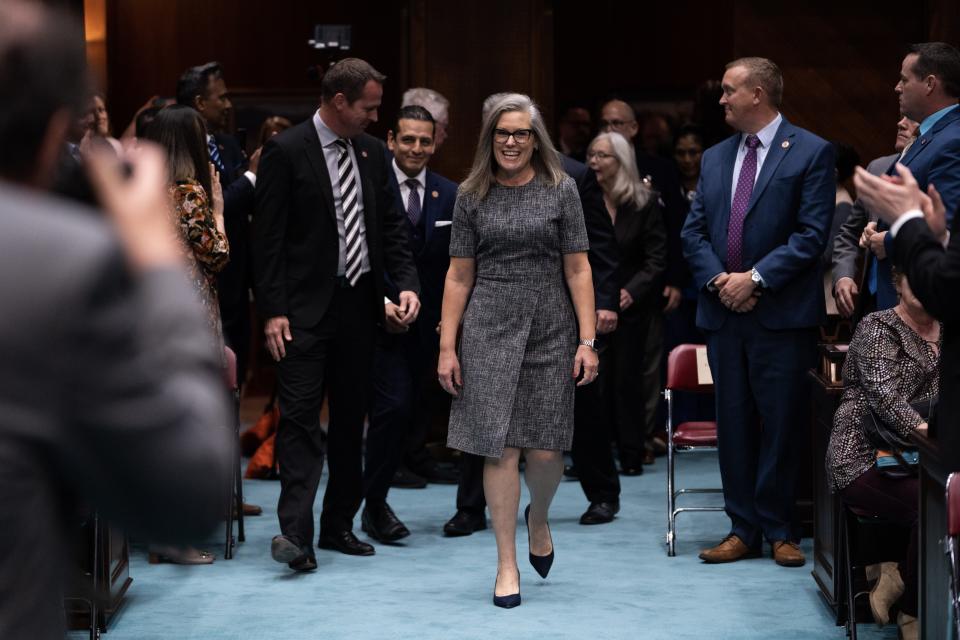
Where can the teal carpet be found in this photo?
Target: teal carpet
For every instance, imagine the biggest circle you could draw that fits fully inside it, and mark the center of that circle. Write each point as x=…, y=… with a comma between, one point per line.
x=608, y=581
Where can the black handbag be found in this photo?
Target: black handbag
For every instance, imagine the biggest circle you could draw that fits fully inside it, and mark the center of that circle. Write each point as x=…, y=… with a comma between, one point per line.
x=904, y=457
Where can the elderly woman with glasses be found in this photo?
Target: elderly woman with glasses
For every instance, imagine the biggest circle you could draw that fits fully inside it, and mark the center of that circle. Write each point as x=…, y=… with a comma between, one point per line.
x=631, y=369
x=519, y=291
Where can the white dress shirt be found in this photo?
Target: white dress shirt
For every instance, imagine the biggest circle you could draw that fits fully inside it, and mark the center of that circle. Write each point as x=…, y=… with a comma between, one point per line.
x=766, y=136
x=331, y=153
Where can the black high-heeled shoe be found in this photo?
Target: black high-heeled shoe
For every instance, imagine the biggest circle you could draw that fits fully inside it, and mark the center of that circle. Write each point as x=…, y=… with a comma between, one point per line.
x=508, y=601
x=541, y=563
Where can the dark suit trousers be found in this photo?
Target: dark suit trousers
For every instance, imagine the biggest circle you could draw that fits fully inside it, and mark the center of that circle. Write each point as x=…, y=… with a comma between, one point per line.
x=404, y=366
x=335, y=356
x=591, y=452
x=632, y=382
x=760, y=378
x=470, y=496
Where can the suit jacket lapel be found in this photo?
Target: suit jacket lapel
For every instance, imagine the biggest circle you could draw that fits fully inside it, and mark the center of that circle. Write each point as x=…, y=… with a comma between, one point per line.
x=318, y=162
x=726, y=180
x=430, y=210
x=919, y=145
x=369, y=197
x=779, y=148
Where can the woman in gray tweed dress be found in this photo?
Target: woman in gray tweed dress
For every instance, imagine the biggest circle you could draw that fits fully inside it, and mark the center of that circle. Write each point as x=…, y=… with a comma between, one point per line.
x=520, y=283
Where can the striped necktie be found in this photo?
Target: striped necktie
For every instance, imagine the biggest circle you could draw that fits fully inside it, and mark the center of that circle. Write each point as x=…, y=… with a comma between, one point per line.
x=215, y=153
x=351, y=215
x=413, y=201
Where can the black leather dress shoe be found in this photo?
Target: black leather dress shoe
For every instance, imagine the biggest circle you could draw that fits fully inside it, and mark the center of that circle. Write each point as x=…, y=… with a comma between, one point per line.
x=600, y=513
x=381, y=523
x=345, y=542
x=284, y=549
x=403, y=478
x=464, y=523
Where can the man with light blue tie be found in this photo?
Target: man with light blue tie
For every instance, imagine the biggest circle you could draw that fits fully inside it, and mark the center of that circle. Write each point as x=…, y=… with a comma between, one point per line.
x=753, y=239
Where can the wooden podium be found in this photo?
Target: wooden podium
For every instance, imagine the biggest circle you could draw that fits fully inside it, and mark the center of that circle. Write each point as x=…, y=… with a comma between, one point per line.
x=825, y=397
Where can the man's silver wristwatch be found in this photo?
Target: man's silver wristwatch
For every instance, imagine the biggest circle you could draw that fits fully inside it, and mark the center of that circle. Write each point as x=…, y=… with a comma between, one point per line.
x=755, y=277
x=589, y=343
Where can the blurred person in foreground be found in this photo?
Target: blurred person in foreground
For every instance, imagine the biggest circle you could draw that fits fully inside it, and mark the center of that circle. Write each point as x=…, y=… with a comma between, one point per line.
x=110, y=390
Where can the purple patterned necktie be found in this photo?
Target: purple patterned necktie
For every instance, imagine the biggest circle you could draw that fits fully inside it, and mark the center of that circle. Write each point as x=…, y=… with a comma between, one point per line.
x=413, y=201
x=741, y=201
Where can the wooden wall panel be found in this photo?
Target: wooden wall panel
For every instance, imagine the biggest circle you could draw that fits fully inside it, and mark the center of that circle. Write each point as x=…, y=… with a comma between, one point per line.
x=469, y=50
x=262, y=45
x=840, y=59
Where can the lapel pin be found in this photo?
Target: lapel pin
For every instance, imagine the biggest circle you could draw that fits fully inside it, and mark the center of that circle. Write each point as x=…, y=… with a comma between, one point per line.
x=785, y=144
x=924, y=140
x=363, y=153
x=435, y=194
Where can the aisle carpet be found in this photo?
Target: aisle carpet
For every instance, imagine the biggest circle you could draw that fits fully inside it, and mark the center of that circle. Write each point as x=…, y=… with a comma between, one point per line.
x=609, y=581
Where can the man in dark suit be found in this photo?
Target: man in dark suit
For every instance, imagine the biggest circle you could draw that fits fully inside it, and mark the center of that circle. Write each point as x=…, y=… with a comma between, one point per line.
x=753, y=238
x=593, y=457
x=203, y=88
x=327, y=230
x=853, y=232
x=404, y=379
x=117, y=398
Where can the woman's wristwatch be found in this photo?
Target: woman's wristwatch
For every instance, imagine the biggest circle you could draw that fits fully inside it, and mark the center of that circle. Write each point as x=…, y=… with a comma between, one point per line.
x=592, y=343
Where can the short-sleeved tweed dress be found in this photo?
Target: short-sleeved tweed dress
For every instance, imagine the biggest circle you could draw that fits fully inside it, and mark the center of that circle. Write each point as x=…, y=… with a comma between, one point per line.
x=519, y=336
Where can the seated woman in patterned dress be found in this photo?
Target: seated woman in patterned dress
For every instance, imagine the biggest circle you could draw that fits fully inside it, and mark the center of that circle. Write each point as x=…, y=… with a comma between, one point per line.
x=520, y=282
x=893, y=363
x=198, y=207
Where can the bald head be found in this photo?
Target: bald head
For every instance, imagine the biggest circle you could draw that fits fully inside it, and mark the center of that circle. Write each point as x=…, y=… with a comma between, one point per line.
x=619, y=117
x=43, y=85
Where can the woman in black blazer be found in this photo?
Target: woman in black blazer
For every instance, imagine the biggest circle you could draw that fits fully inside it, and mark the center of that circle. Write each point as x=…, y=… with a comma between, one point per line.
x=631, y=364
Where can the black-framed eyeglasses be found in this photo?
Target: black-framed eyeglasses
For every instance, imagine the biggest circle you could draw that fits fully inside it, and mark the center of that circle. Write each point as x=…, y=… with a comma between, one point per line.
x=520, y=136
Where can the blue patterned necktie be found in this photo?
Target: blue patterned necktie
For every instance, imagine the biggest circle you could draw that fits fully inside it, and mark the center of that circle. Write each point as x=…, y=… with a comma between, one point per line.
x=215, y=153
x=413, y=201
x=741, y=201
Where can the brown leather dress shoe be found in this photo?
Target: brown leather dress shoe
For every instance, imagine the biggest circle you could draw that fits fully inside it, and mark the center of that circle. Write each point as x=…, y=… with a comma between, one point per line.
x=730, y=549
x=788, y=554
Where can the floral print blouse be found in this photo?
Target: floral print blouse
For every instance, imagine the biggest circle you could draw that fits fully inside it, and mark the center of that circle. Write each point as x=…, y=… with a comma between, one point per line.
x=207, y=250
x=888, y=367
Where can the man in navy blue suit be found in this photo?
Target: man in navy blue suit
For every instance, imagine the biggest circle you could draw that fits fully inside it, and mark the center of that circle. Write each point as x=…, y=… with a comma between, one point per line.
x=406, y=354
x=753, y=238
x=928, y=90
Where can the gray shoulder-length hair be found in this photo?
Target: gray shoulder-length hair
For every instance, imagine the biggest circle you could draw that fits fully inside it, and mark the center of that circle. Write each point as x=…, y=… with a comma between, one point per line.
x=627, y=186
x=545, y=160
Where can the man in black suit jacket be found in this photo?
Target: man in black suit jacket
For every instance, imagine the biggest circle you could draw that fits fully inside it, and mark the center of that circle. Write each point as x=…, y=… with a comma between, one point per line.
x=404, y=381
x=327, y=230
x=203, y=88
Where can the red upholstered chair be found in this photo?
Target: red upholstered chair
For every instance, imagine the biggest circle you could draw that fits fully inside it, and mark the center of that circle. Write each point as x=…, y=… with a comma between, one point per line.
x=682, y=376
x=952, y=544
x=235, y=503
